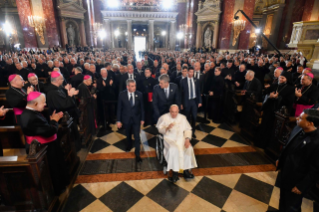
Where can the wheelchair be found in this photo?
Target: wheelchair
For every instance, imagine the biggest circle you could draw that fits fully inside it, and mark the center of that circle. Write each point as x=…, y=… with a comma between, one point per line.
x=160, y=152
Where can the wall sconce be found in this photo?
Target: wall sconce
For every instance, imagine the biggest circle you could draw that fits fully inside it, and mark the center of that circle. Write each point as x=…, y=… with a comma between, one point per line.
x=238, y=26
x=38, y=24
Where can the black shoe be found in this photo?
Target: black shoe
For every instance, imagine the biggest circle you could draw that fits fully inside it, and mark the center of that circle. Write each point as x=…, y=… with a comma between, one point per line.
x=174, y=178
x=188, y=175
x=205, y=121
x=138, y=159
x=194, y=136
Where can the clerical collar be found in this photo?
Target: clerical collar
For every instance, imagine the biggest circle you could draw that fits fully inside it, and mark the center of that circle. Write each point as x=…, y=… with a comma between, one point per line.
x=30, y=108
x=104, y=78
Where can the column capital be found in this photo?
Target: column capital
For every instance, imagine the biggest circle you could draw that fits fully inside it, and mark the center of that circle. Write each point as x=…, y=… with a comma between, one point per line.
x=129, y=21
x=151, y=21
x=173, y=21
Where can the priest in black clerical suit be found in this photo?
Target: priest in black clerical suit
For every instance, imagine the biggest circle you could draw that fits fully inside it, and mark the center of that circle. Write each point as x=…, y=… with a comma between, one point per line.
x=107, y=87
x=276, y=96
x=34, y=82
x=299, y=161
x=148, y=83
x=35, y=126
x=252, y=86
x=77, y=79
x=130, y=114
x=164, y=95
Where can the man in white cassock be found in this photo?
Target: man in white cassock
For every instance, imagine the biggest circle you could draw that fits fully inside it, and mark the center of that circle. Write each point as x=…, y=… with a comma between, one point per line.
x=178, y=151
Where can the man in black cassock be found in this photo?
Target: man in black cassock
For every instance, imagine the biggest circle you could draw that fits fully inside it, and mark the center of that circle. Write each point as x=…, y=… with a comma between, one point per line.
x=216, y=96
x=16, y=96
x=277, y=96
x=148, y=83
x=87, y=96
x=77, y=79
x=299, y=162
x=107, y=87
x=35, y=126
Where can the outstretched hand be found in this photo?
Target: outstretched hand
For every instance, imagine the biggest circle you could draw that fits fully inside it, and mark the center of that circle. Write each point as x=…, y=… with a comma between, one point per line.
x=56, y=116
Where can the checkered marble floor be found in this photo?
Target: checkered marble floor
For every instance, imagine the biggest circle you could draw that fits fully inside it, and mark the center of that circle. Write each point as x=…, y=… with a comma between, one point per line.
x=240, y=192
x=207, y=136
x=247, y=192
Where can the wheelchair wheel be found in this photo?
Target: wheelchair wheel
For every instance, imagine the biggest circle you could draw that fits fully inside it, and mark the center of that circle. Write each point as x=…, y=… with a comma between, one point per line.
x=159, y=149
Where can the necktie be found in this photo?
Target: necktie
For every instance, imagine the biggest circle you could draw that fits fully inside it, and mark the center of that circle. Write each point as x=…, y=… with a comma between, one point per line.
x=131, y=100
x=166, y=92
x=192, y=91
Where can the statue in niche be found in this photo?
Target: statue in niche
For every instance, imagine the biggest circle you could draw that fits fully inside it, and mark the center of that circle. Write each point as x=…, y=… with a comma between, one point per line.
x=71, y=35
x=208, y=38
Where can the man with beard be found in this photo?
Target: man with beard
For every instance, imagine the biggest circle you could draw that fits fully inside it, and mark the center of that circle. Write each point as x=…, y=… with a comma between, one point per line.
x=296, y=76
x=35, y=126
x=277, y=96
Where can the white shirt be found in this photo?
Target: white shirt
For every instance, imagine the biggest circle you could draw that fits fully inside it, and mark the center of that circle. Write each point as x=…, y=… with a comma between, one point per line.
x=197, y=74
x=131, y=76
x=166, y=91
x=129, y=96
x=191, y=80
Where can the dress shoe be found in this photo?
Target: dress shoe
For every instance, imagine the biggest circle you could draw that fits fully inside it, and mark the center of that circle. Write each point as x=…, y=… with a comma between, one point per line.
x=138, y=159
x=174, y=178
x=188, y=175
x=194, y=136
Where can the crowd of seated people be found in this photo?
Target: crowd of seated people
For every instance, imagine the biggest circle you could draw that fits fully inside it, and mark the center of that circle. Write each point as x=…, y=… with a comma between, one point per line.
x=195, y=82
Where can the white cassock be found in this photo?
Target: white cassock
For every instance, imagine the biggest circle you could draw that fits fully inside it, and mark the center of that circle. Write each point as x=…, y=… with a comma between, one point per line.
x=176, y=154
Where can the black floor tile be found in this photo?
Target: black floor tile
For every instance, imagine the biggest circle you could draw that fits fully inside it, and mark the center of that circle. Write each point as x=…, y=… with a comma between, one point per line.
x=124, y=165
x=212, y=191
x=102, y=132
x=98, y=145
x=122, y=144
x=278, y=180
x=149, y=164
x=152, y=130
x=231, y=159
x=79, y=199
x=168, y=195
x=215, y=140
x=97, y=167
x=194, y=141
x=272, y=209
x=151, y=142
x=121, y=131
x=315, y=207
x=121, y=198
x=254, y=188
x=204, y=128
x=237, y=138
x=225, y=127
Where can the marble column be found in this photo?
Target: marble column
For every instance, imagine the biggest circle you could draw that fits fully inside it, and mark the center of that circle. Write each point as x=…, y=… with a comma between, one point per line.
x=129, y=34
x=24, y=10
x=109, y=35
x=216, y=32
x=90, y=12
x=315, y=11
x=64, y=38
x=151, y=35
x=276, y=26
x=172, y=35
x=199, y=35
x=112, y=37
x=166, y=37
x=227, y=16
x=50, y=23
x=82, y=31
x=248, y=7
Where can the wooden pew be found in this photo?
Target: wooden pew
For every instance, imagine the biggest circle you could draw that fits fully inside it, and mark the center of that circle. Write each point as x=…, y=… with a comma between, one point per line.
x=25, y=183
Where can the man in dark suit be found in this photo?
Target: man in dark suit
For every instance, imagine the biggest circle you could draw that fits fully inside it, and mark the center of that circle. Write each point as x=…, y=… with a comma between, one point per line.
x=164, y=95
x=252, y=85
x=130, y=112
x=182, y=76
x=299, y=161
x=130, y=75
x=191, y=98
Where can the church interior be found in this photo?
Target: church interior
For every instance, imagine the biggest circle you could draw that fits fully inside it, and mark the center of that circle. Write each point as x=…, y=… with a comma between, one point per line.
x=159, y=105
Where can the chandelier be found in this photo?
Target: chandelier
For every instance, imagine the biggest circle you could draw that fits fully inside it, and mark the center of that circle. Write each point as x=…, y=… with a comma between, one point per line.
x=238, y=26
x=38, y=24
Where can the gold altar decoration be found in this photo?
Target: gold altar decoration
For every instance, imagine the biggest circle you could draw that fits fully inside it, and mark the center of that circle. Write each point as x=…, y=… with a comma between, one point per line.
x=238, y=26
x=38, y=24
